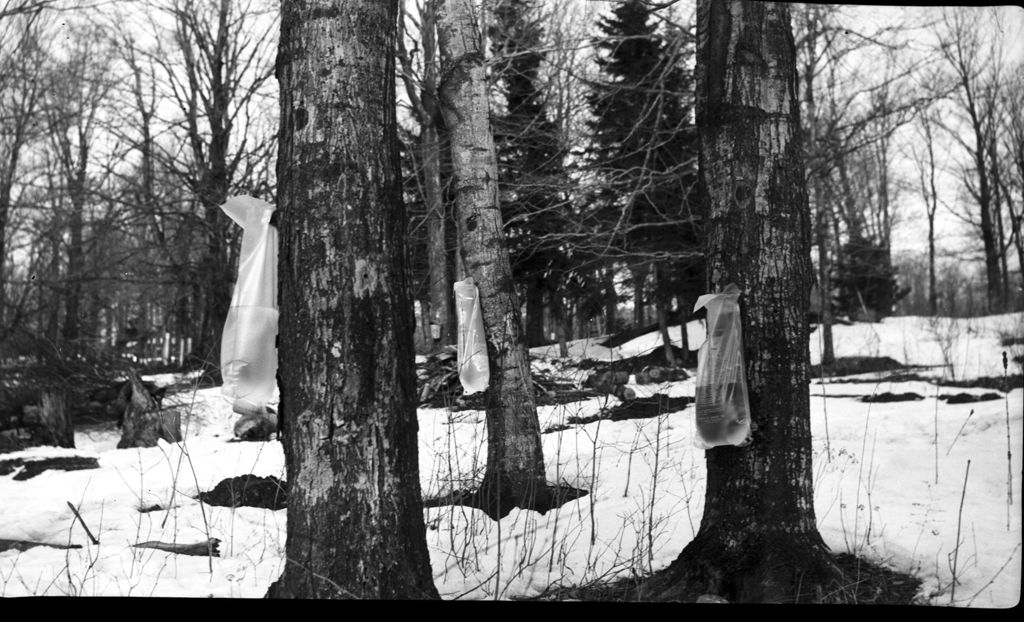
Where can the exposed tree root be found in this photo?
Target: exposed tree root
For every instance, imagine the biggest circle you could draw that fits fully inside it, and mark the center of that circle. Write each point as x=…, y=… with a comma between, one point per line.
x=498, y=500
x=769, y=567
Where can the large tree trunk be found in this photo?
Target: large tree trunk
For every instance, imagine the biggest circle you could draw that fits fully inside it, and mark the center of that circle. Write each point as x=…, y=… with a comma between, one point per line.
x=515, y=463
x=348, y=388
x=758, y=540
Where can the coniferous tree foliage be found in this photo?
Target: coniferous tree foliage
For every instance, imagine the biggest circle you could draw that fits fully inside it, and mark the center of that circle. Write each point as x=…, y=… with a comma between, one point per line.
x=644, y=150
x=532, y=179
x=866, y=281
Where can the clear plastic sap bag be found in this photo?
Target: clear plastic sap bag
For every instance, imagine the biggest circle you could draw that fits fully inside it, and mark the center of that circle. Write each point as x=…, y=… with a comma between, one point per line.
x=248, y=354
x=723, y=412
x=474, y=373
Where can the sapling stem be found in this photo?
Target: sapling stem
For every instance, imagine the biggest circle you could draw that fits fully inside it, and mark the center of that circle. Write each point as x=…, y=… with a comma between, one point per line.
x=959, y=516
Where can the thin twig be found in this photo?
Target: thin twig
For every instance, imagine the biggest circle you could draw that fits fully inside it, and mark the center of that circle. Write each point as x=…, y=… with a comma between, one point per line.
x=84, y=526
x=959, y=431
x=959, y=515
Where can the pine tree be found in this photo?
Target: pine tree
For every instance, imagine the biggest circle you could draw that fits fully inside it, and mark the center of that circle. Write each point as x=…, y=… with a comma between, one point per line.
x=644, y=153
x=531, y=175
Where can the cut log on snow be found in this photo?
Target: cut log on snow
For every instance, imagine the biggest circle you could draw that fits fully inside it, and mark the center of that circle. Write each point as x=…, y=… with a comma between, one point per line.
x=144, y=421
x=24, y=545
x=210, y=548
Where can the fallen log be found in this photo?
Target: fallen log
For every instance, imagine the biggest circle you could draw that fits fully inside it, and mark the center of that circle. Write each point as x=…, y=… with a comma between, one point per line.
x=210, y=548
x=24, y=545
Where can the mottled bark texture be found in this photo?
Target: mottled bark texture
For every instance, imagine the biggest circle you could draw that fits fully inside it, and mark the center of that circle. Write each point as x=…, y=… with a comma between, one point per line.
x=758, y=541
x=515, y=462
x=355, y=519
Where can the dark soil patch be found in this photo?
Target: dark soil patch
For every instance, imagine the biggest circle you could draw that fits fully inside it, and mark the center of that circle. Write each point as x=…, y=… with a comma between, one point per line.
x=31, y=468
x=850, y=365
x=967, y=398
x=882, y=398
x=640, y=408
x=248, y=491
x=634, y=364
x=556, y=496
x=867, y=583
x=999, y=383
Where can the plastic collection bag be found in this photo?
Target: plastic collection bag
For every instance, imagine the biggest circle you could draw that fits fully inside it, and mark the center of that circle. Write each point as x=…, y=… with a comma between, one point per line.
x=723, y=412
x=248, y=354
x=474, y=373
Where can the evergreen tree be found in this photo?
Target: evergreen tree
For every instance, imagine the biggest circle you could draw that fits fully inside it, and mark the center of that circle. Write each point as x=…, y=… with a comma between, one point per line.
x=530, y=151
x=866, y=280
x=644, y=153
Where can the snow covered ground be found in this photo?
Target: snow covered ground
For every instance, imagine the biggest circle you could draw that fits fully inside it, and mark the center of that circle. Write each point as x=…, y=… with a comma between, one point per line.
x=883, y=487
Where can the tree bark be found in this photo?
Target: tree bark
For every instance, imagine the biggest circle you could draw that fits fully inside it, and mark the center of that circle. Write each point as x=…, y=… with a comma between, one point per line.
x=535, y=313
x=758, y=540
x=441, y=301
x=515, y=474
x=661, y=309
x=144, y=421
x=348, y=388
x=639, y=274
x=55, y=420
x=611, y=301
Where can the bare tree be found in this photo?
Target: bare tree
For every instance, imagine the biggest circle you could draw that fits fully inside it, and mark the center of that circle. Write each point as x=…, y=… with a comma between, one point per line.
x=216, y=64
x=973, y=65
x=422, y=94
x=21, y=90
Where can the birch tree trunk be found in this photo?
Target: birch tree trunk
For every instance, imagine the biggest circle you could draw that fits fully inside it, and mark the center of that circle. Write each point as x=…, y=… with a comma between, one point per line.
x=515, y=462
x=758, y=540
x=355, y=521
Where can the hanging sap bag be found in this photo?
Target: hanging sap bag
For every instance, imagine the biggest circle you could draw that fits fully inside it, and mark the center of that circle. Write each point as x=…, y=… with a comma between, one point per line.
x=248, y=354
x=723, y=413
x=472, y=346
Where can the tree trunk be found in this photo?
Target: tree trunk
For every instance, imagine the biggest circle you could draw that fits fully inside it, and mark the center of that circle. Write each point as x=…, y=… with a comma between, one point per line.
x=55, y=423
x=758, y=540
x=562, y=328
x=515, y=464
x=535, y=314
x=611, y=301
x=639, y=274
x=76, y=253
x=441, y=300
x=684, y=310
x=660, y=295
x=348, y=387
x=144, y=421
x=825, y=320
